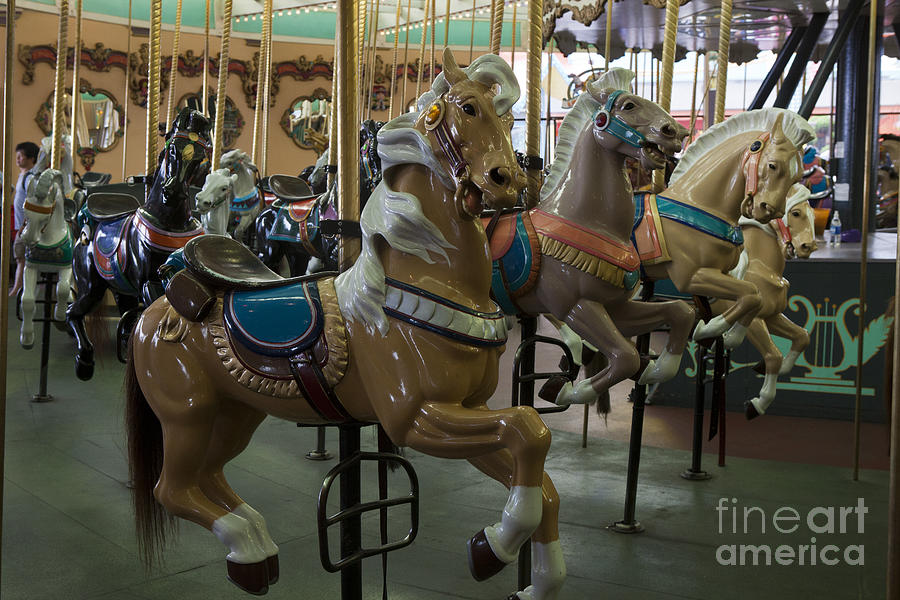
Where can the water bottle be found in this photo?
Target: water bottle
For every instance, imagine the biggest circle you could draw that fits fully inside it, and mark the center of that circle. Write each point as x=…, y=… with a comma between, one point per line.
x=836, y=229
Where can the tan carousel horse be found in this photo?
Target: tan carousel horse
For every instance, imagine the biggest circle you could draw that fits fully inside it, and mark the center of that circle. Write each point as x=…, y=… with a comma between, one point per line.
x=766, y=248
x=572, y=256
x=742, y=167
x=407, y=337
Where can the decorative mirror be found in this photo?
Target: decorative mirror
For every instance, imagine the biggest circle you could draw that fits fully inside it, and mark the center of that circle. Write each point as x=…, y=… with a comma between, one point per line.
x=234, y=121
x=307, y=119
x=100, y=122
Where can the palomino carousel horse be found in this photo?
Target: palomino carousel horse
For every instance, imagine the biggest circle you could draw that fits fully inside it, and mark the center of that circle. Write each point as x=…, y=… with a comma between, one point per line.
x=766, y=246
x=572, y=255
x=48, y=247
x=407, y=337
x=690, y=235
x=230, y=200
x=290, y=229
x=123, y=245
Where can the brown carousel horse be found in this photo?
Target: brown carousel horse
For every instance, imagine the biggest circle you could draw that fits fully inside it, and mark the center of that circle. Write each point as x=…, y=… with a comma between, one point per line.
x=572, y=255
x=766, y=248
x=407, y=337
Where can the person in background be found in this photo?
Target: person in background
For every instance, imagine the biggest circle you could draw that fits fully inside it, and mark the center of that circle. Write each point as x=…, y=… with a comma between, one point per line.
x=26, y=156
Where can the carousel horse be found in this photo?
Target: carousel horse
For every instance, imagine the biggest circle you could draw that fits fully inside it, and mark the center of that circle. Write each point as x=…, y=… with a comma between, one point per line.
x=290, y=229
x=689, y=236
x=572, y=255
x=230, y=200
x=123, y=244
x=48, y=247
x=408, y=337
x=766, y=247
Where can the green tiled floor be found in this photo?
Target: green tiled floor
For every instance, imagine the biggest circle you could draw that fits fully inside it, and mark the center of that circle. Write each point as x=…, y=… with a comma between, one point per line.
x=67, y=530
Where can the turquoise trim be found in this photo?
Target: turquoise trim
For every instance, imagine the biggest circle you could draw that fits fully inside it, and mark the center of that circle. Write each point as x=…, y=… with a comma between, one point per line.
x=498, y=291
x=699, y=219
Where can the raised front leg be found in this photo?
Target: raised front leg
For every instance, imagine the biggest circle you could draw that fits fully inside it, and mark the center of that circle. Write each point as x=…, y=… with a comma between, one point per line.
x=759, y=336
x=713, y=283
x=26, y=334
x=781, y=326
x=548, y=568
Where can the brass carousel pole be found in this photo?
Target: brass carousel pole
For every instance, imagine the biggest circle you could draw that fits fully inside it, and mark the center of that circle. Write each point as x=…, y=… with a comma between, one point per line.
x=347, y=77
x=497, y=26
x=864, y=242
x=59, y=88
x=9, y=165
x=433, y=27
x=224, y=58
x=173, y=72
x=394, y=63
x=722, y=65
x=668, y=66
x=512, y=49
x=422, y=50
x=447, y=25
x=362, y=12
x=608, y=42
x=403, y=98
x=533, y=106
x=153, y=87
x=893, y=553
x=370, y=70
x=76, y=84
x=472, y=38
x=266, y=94
x=260, y=82
x=204, y=93
x=127, y=103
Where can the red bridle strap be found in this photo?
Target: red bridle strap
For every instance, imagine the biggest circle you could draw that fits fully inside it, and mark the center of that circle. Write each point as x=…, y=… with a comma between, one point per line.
x=750, y=164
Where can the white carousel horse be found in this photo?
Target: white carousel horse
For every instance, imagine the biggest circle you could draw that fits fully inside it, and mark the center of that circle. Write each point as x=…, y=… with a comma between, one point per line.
x=48, y=247
x=230, y=199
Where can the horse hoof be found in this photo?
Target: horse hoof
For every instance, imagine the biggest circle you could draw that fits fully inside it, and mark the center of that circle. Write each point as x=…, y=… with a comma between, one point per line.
x=253, y=578
x=750, y=410
x=483, y=563
x=27, y=346
x=83, y=370
x=550, y=390
x=272, y=568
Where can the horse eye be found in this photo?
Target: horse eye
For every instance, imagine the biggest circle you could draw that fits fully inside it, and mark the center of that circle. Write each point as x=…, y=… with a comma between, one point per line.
x=773, y=166
x=796, y=213
x=628, y=105
x=469, y=109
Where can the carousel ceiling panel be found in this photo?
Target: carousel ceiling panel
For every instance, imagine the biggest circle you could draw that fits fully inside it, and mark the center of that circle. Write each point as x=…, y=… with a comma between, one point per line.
x=637, y=24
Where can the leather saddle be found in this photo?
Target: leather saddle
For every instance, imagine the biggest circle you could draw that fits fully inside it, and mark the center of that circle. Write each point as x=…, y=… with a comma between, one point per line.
x=289, y=188
x=105, y=206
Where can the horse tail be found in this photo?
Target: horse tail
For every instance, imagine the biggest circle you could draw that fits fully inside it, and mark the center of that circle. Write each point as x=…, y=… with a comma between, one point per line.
x=145, y=460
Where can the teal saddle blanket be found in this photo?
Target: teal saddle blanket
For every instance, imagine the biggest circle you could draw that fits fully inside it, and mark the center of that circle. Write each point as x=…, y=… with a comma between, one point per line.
x=280, y=321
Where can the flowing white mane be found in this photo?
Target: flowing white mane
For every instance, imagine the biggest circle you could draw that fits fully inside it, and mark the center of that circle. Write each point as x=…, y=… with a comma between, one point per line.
x=796, y=128
x=397, y=217
x=574, y=123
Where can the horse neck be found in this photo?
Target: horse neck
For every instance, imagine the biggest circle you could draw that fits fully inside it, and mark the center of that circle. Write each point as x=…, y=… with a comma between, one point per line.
x=595, y=192
x=764, y=247
x=716, y=182
x=467, y=278
x=56, y=228
x=246, y=181
x=170, y=217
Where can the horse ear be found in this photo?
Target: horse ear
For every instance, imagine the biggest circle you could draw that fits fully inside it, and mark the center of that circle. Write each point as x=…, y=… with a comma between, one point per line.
x=452, y=73
x=234, y=178
x=778, y=130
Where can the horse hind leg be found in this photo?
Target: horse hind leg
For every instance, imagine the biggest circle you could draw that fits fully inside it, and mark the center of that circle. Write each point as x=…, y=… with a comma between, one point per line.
x=548, y=567
x=232, y=430
x=63, y=294
x=781, y=326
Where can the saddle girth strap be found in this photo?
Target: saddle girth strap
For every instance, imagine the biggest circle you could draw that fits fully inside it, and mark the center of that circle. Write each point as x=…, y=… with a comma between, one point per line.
x=307, y=372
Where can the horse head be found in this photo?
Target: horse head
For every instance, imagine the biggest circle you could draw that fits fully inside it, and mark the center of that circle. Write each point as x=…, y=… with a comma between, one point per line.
x=186, y=155
x=771, y=164
x=235, y=159
x=41, y=200
x=467, y=120
x=627, y=124
x=800, y=221
x=218, y=188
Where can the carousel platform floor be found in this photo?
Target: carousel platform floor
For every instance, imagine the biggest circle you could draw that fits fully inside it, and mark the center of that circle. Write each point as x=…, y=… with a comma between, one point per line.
x=68, y=534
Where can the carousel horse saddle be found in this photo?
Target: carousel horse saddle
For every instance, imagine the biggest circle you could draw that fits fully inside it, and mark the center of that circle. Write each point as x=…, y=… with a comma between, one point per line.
x=290, y=188
x=92, y=179
x=516, y=256
x=104, y=206
x=278, y=321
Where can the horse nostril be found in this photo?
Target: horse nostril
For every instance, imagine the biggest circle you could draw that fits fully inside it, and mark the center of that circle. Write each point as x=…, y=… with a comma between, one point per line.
x=499, y=175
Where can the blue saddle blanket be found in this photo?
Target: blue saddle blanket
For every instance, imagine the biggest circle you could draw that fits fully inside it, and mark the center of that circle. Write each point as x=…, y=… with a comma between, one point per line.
x=280, y=321
x=109, y=235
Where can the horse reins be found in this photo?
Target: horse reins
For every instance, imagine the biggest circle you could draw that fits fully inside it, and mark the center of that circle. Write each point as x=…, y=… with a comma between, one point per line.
x=43, y=210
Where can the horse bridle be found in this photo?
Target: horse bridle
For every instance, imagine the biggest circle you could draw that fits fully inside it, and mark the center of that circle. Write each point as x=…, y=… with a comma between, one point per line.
x=435, y=122
x=614, y=125
x=43, y=210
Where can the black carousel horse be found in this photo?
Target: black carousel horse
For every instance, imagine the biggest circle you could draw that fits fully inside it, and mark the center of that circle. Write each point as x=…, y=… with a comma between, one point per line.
x=296, y=226
x=123, y=243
